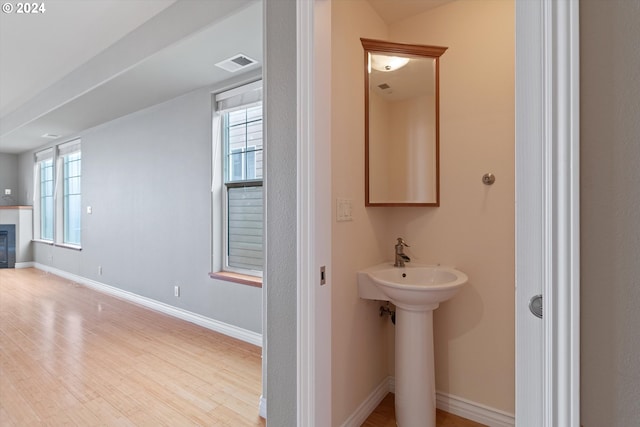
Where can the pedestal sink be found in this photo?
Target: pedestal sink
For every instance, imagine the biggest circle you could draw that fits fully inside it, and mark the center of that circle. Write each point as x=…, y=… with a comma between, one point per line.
x=416, y=290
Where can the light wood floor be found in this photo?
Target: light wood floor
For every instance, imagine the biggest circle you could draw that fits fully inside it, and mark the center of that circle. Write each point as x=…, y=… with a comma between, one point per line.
x=384, y=416
x=70, y=356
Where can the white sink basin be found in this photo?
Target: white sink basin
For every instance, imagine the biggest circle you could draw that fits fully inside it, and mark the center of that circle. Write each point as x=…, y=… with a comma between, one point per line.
x=416, y=290
x=414, y=286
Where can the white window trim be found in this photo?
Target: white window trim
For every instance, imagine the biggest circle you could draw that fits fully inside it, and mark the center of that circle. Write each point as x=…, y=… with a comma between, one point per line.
x=64, y=150
x=241, y=97
x=56, y=154
x=39, y=157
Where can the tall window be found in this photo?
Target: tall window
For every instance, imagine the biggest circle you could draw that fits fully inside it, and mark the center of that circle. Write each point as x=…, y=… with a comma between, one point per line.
x=241, y=114
x=57, y=196
x=44, y=170
x=71, y=159
x=43, y=195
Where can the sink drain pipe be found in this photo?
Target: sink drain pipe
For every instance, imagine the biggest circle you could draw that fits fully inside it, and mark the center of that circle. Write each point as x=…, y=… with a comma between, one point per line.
x=386, y=310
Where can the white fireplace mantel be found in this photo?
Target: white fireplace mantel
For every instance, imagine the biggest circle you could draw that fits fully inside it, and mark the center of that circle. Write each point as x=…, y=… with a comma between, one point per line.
x=22, y=218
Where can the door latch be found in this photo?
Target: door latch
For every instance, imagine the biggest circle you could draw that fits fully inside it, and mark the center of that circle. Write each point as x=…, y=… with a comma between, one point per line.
x=535, y=305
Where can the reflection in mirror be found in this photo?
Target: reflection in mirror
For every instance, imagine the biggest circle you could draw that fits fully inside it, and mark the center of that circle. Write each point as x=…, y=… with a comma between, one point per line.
x=401, y=124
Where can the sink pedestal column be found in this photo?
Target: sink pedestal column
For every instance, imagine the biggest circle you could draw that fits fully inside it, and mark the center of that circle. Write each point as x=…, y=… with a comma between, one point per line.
x=415, y=377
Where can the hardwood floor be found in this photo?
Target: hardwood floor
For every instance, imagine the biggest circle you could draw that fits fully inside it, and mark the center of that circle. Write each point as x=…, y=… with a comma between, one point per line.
x=384, y=416
x=75, y=357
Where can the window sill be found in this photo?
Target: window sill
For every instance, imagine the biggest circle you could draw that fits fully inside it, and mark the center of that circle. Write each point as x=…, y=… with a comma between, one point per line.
x=237, y=278
x=68, y=246
x=60, y=245
x=46, y=242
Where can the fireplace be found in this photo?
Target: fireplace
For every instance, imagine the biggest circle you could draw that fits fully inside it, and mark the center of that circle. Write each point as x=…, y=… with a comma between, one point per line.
x=7, y=245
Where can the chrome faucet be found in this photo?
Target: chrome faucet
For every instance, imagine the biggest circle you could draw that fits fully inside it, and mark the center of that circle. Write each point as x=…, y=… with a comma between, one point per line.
x=401, y=257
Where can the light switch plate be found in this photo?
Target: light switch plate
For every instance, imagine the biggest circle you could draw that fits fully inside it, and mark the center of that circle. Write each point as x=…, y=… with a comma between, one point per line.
x=7, y=191
x=344, y=210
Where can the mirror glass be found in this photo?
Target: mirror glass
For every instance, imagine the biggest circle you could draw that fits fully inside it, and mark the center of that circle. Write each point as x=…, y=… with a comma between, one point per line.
x=401, y=124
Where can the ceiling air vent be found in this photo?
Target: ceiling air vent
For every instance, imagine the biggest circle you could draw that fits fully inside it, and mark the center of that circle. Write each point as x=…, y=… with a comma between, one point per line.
x=236, y=63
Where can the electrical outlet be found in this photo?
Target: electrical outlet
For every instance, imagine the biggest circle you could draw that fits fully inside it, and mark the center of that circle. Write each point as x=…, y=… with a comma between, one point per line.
x=176, y=291
x=99, y=270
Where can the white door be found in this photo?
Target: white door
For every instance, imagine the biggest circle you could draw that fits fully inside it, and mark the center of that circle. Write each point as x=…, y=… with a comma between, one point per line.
x=547, y=212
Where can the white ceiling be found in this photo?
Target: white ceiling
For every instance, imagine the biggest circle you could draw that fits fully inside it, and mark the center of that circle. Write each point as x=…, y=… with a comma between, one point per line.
x=38, y=50
x=82, y=63
x=121, y=56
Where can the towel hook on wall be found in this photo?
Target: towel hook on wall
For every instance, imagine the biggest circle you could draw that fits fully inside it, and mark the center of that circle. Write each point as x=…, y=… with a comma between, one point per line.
x=488, y=179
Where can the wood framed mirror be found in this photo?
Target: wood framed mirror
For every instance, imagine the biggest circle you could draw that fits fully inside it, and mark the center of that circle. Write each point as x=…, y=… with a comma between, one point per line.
x=402, y=129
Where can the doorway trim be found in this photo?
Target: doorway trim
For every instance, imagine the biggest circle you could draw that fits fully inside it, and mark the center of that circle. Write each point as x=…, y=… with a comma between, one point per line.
x=547, y=212
x=314, y=213
x=547, y=217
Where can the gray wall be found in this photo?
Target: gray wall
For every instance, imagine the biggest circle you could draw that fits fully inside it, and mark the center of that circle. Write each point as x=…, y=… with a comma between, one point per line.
x=610, y=212
x=147, y=177
x=280, y=179
x=8, y=179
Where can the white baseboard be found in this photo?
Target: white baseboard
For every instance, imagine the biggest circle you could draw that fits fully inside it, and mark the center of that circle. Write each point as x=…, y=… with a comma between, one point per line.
x=447, y=402
x=27, y=264
x=262, y=409
x=368, y=405
x=206, y=322
x=474, y=411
